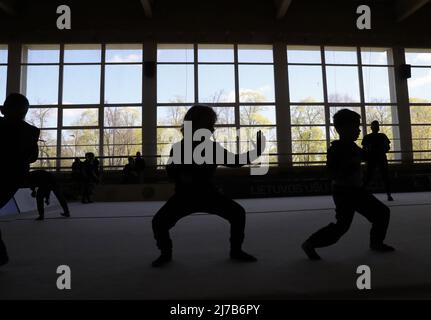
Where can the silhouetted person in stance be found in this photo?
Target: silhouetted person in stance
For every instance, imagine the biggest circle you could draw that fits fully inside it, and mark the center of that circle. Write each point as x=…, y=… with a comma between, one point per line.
x=18, y=142
x=77, y=176
x=377, y=144
x=344, y=164
x=139, y=165
x=90, y=177
x=194, y=188
x=45, y=182
x=130, y=174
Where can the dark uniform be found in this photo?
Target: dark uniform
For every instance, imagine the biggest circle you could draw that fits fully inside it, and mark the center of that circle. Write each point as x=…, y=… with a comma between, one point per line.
x=45, y=182
x=344, y=164
x=377, y=145
x=196, y=192
x=18, y=145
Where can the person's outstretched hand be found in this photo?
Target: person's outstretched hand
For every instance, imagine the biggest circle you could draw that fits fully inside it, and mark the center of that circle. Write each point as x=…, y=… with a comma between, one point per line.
x=261, y=142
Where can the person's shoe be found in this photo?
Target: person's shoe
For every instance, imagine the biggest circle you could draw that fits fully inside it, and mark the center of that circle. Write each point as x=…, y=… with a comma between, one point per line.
x=240, y=255
x=390, y=198
x=381, y=247
x=65, y=214
x=39, y=218
x=310, y=251
x=162, y=260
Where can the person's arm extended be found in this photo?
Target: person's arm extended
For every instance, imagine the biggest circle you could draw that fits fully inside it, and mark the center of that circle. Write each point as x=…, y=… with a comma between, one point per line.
x=233, y=160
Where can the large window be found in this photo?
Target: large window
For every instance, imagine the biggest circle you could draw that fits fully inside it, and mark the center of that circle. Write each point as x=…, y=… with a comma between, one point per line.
x=3, y=72
x=323, y=80
x=420, y=102
x=238, y=80
x=85, y=98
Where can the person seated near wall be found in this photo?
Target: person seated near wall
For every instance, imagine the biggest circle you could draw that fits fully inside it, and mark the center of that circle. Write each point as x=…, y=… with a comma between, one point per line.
x=45, y=182
x=130, y=173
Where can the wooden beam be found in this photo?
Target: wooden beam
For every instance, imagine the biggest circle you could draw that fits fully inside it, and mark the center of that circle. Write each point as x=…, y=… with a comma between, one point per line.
x=282, y=7
x=406, y=8
x=146, y=4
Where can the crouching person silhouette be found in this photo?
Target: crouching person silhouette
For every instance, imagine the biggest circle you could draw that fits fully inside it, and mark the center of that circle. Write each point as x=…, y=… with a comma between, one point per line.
x=45, y=182
x=18, y=143
x=344, y=164
x=194, y=188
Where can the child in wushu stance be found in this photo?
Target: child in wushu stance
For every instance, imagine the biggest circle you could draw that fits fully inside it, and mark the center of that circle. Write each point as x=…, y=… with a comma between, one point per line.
x=344, y=164
x=195, y=191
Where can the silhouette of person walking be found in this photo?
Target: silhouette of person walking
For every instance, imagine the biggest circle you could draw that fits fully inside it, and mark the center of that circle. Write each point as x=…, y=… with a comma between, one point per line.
x=194, y=188
x=18, y=141
x=344, y=159
x=45, y=182
x=377, y=144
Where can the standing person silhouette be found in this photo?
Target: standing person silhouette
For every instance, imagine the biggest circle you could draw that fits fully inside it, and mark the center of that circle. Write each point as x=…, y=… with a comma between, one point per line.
x=344, y=159
x=45, y=182
x=18, y=142
x=377, y=144
x=194, y=188
x=90, y=176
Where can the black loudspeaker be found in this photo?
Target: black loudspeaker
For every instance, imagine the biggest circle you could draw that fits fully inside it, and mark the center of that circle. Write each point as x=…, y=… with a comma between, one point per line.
x=149, y=69
x=405, y=71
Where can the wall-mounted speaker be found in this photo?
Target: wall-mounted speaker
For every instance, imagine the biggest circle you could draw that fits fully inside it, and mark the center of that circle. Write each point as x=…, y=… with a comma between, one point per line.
x=150, y=69
x=405, y=71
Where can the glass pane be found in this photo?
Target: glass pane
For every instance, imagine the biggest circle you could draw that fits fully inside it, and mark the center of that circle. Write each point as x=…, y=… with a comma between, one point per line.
x=255, y=53
x=334, y=110
x=171, y=116
x=47, y=149
x=41, y=53
x=41, y=86
x=225, y=115
x=165, y=138
x=123, y=116
x=418, y=57
x=420, y=114
x=255, y=88
x=226, y=136
x=119, y=53
x=305, y=83
x=175, y=53
x=216, y=83
x=123, y=84
x=376, y=84
x=343, y=84
x=303, y=54
x=3, y=53
x=307, y=115
x=378, y=56
x=175, y=83
x=419, y=85
x=121, y=142
x=215, y=53
x=81, y=85
x=340, y=55
x=383, y=114
x=248, y=134
x=257, y=115
x=3, y=80
x=76, y=142
x=309, y=144
x=42, y=117
x=421, y=136
x=80, y=117
x=82, y=53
